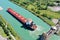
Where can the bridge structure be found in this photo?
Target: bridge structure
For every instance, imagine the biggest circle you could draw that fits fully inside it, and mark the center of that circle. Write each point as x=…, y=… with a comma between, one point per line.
x=53, y=30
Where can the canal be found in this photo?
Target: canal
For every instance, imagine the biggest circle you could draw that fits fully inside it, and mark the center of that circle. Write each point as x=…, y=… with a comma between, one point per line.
x=24, y=33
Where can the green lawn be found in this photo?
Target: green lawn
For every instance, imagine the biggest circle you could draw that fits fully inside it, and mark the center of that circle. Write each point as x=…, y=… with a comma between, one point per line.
x=2, y=32
x=50, y=14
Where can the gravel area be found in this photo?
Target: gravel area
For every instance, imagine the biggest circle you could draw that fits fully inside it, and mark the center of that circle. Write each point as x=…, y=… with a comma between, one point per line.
x=54, y=8
x=1, y=38
x=55, y=21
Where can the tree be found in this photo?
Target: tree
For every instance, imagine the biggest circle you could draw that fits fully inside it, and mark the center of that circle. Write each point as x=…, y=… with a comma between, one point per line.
x=38, y=12
x=33, y=1
x=44, y=15
x=33, y=9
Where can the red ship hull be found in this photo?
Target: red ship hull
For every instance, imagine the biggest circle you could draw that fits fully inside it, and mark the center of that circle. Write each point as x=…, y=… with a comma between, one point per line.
x=18, y=16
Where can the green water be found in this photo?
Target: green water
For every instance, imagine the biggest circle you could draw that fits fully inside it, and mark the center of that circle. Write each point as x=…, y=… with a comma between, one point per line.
x=24, y=33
